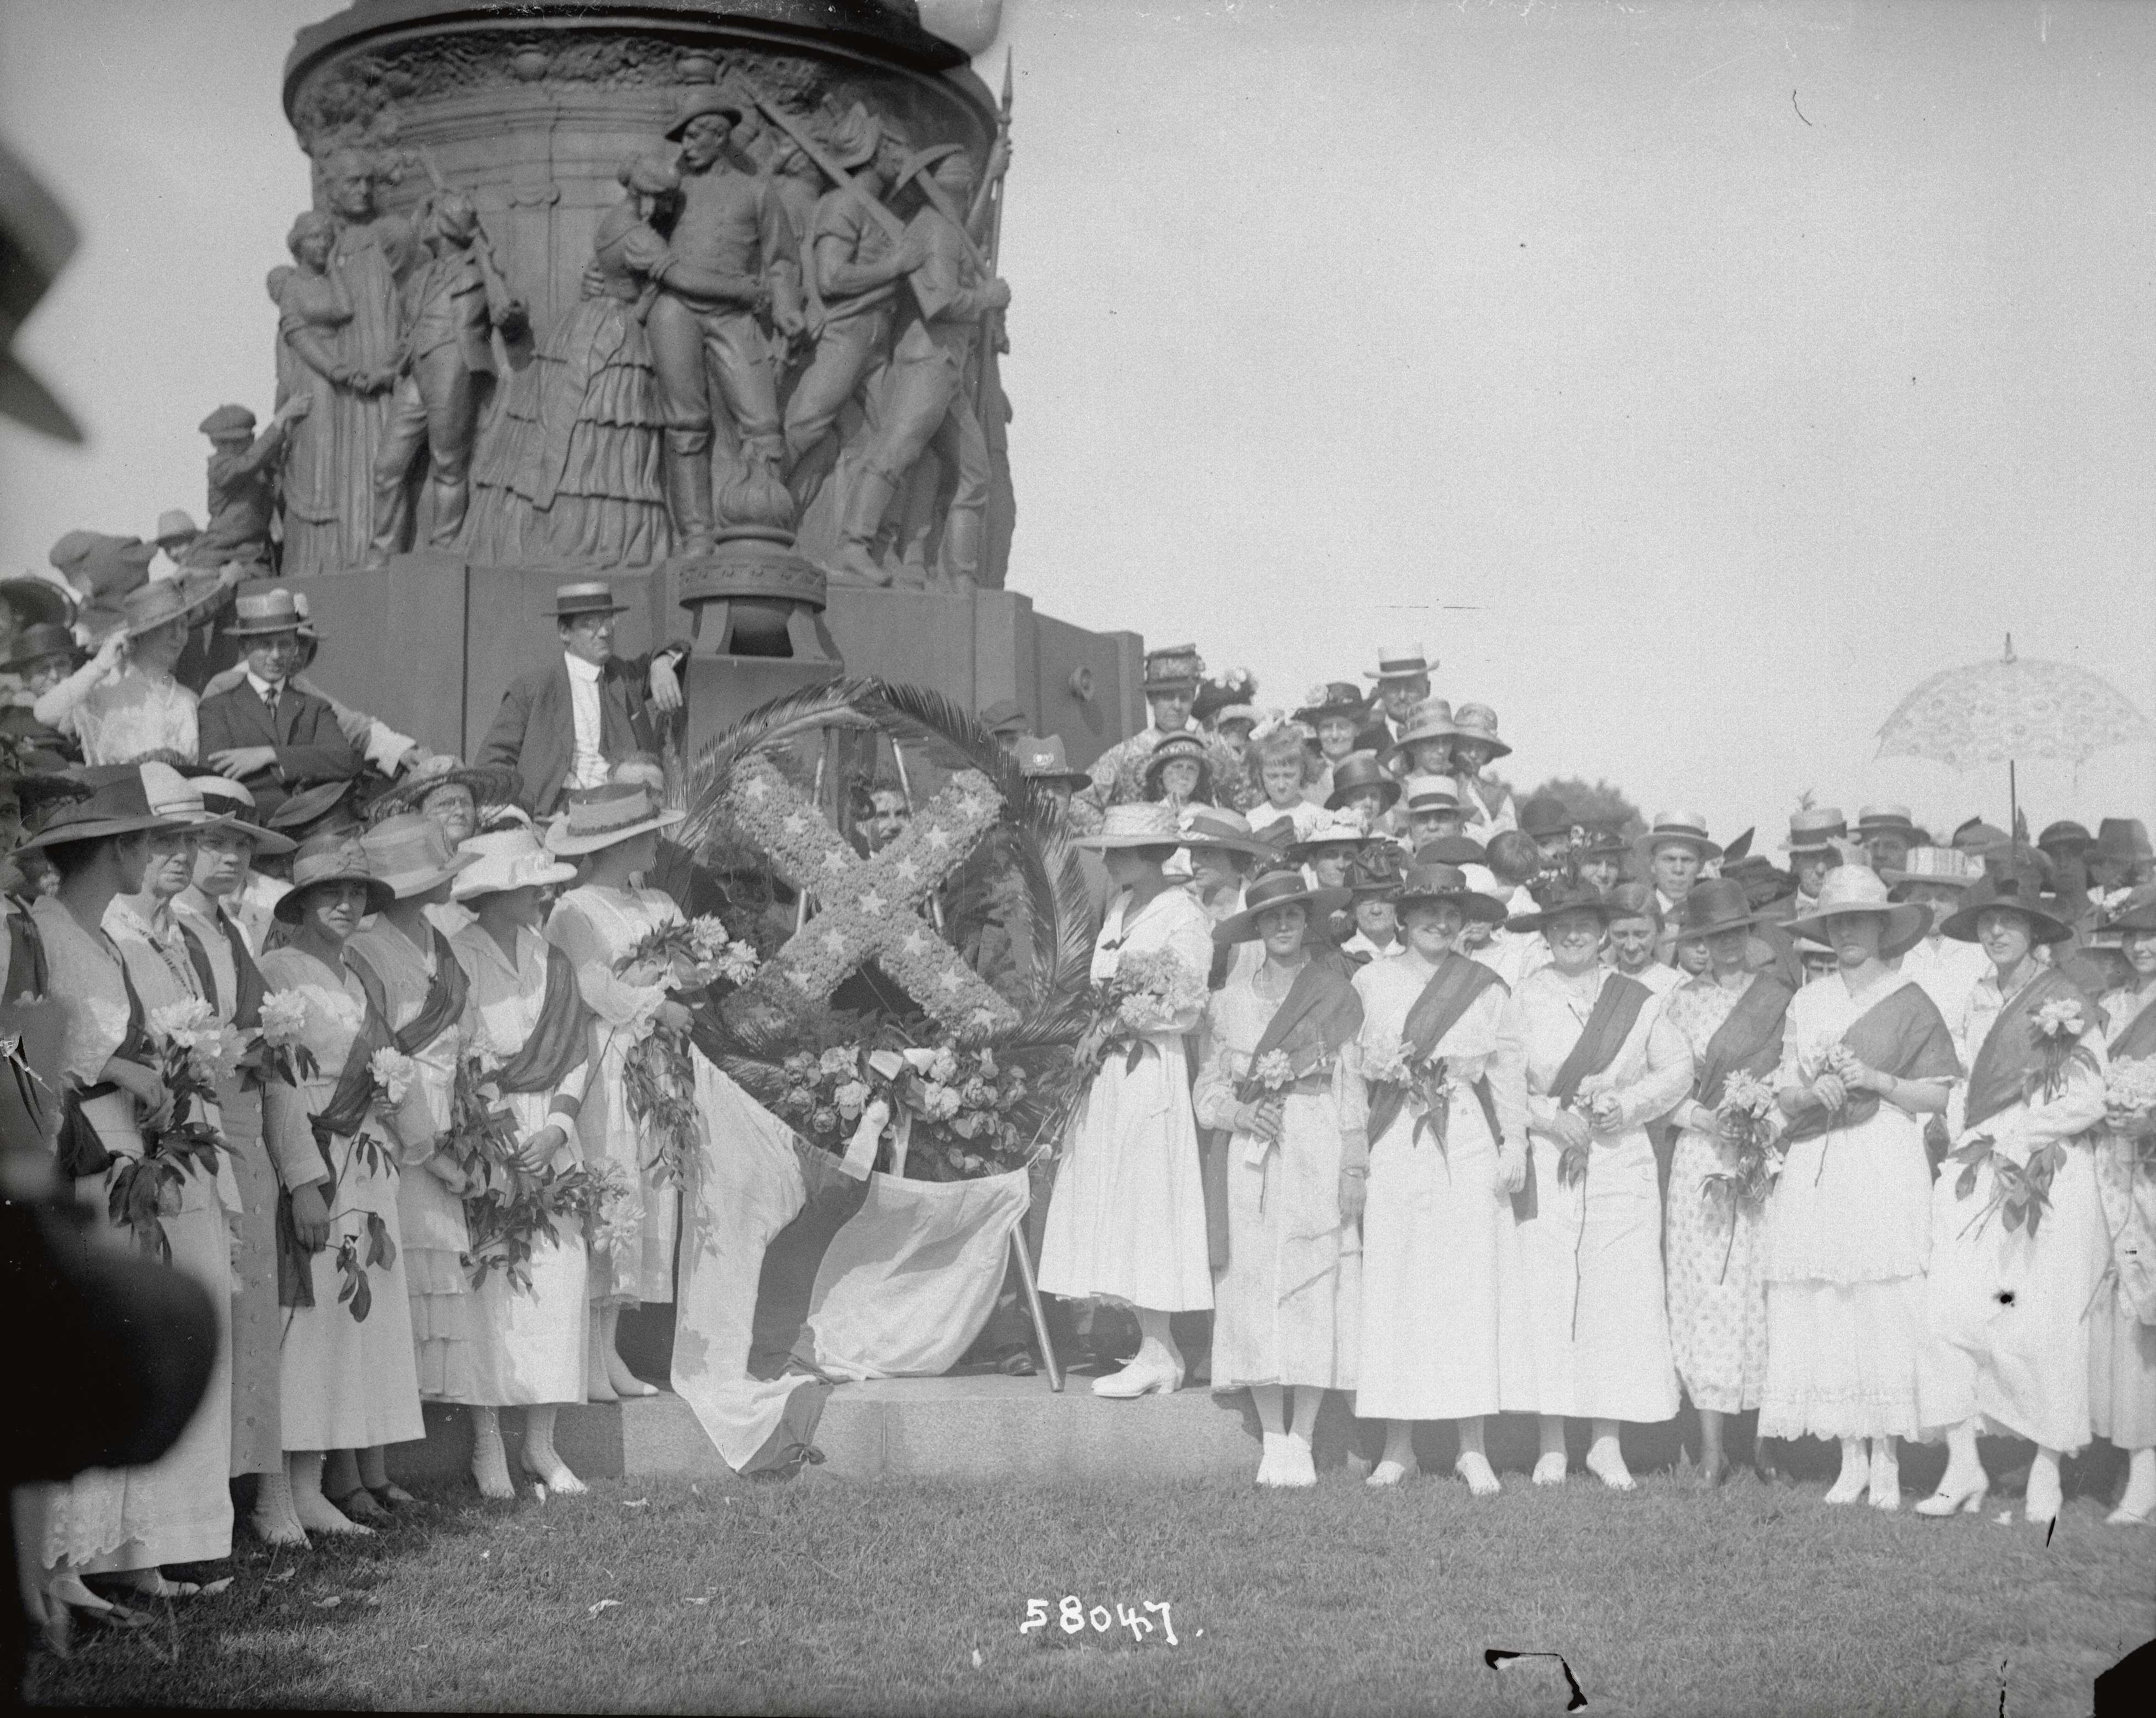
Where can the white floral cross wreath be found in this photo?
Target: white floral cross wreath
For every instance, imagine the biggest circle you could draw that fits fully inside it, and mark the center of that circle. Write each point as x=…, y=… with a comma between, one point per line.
x=870, y=908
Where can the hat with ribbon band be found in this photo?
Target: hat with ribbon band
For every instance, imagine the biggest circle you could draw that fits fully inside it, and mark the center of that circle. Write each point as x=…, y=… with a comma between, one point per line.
x=606, y=817
x=1858, y=889
x=1279, y=888
x=506, y=859
x=332, y=859
x=411, y=852
x=1426, y=884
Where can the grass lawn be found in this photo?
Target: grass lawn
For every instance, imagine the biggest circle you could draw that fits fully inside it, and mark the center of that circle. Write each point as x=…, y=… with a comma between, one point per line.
x=821, y=1595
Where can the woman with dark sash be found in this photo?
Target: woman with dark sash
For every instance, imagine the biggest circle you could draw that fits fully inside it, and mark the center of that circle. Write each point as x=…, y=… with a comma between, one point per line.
x=528, y=1344
x=2010, y=1303
x=1285, y=1303
x=1731, y=1019
x=1865, y=1057
x=347, y=1377
x=2122, y=1334
x=1584, y=1061
x=1437, y=1232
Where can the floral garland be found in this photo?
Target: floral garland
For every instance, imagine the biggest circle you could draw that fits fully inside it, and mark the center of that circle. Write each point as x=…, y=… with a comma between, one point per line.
x=659, y=1076
x=508, y=1208
x=193, y=1048
x=871, y=908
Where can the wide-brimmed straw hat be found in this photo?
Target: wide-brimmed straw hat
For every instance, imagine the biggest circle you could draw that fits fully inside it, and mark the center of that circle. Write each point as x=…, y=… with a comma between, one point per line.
x=1400, y=662
x=1279, y=888
x=2019, y=886
x=1885, y=820
x=1715, y=905
x=1422, y=885
x=1860, y=890
x=489, y=784
x=506, y=859
x=1558, y=895
x=332, y=859
x=1333, y=829
x=607, y=816
x=411, y=852
x=1429, y=720
x=173, y=795
x=236, y=803
x=161, y=601
x=1946, y=865
x=1357, y=772
x=1216, y=826
x=1478, y=722
x=117, y=803
x=1150, y=822
x=1042, y=759
x=1675, y=829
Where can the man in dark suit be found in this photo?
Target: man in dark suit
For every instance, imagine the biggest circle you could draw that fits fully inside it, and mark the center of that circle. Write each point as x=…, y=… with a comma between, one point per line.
x=566, y=724
x=266, y=732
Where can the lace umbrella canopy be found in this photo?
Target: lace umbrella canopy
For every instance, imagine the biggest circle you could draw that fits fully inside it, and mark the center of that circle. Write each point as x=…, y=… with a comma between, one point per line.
x=2002, y=711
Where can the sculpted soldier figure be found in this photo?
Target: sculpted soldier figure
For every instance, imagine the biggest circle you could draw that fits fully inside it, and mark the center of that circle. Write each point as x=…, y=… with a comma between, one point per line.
x=925, y=400
x=798, y=183
x=243, y=485
x=731, y=253
x=446, y=362
x=856, y=270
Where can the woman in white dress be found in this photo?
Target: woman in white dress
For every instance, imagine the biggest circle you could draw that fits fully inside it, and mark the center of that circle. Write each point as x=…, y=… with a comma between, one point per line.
x=1584, y=1061
x=1635, y=933
x=2122, y=1330
x=1126, y=1221
x=529, y=1345
x=126, y=1522
x=2009, y=1311
x=1865, y=1057
x=1441, y=1252
x=348, y=1379
x=123, y=704
x=1732, y=1021
x=1285, y=1303
x=615, y=831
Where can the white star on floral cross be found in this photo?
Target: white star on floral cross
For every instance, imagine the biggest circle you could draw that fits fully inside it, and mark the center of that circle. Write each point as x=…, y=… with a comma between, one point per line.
x=870, y=909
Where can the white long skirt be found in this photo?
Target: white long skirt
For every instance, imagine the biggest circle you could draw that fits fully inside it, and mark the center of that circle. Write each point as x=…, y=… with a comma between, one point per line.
x=2009, y=1318
x=1127, y=1219
x=1444, y=1330
x=1599, y=1331
x=529, y=1345
x=644, y=1273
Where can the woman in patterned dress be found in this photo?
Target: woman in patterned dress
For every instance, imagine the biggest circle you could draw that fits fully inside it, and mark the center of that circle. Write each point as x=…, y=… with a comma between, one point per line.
x=1731, y=1019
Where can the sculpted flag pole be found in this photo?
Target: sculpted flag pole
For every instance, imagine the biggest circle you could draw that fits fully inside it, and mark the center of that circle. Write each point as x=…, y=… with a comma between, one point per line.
x=992, y=339
x=816, y=152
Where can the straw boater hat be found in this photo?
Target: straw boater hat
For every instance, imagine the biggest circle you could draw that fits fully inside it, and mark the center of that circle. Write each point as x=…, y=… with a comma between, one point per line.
x=606, y=817
x=1216, y=826
x=1431, y=793
x=332, y=859
x=1330, y=700
x=1430, y=720
x=1885, y=820
x=1279, y=888
x=234, y=799
x=1400, y=662
x=1423, y=884
x=39, y=601
x=173, y=795
x=1946, y=865
x=1043, y=760
x=1715, y=905
x=489, y=784
x=260, y=614
x=1146, y=824
x=1558, y=895
x=2019, y=886
x=1184, y=747
x=1355, y=771
x=591, y=596
x=1174, y=668
x=117, y=803
x=507, y=860
x=1546, y=814
x=1858, y=889
x=1478, y=721
x=1675, y=829
x=35, y=643
x=410, y=853
x=1815, y=829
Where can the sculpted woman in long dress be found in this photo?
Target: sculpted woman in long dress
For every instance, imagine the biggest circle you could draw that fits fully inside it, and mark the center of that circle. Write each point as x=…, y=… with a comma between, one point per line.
x=1440, y=1337
x=1865, y=1057
x=1126, y=1221
x=2009, y=1309
x=2123, y=1329
x=1282, y=1078
x=1585, y=1059
x=1732, y=1021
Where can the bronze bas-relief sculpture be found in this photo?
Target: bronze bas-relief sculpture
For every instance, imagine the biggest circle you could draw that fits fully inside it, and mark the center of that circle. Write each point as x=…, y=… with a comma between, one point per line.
x=718, y=282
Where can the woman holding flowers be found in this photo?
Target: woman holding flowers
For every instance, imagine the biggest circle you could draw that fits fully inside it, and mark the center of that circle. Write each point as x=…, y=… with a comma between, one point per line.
x=1722, y=1171
x=116, y=1111
x=2018, y=1239
x=1584, y=1060
x=348, y=1377
x=2123, y=1330
x=535, y=1041
x=1438, y=1235
x=1126, y=1221
x=1282, y=1078
x=1865, y=1057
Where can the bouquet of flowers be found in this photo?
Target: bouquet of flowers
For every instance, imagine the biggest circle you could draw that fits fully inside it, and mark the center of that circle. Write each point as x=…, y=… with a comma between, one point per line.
x=1149, y=992
x=1424, y=1083
x=659, y=1074
x=960, y=1110
x=2129, y=1102
x=689, y=955
x=190, y=1046
x=614, y=1222
x=2021, y=1193
x=1746, y=1119
x=284, y=1025
x=2059, y=1025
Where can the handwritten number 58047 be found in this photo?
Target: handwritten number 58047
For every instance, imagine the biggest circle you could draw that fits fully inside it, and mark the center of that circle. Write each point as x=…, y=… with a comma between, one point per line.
x=1073, y=1617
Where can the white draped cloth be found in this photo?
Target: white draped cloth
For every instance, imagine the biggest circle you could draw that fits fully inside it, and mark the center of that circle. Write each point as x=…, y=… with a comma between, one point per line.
x=2122, y=1327
x=1598, y=1327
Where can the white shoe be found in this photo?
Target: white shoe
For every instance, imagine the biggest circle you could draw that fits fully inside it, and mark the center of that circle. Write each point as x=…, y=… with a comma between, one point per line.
x=1482, y=1479
x=1607, y=1464
x=1850, y=1486
x=1392, y=1473
x=1158, y=1374
x=1298, y=1465
x=2124, y=1517
x=1885, y=1489
x=1550, y=1469
x=1269, y=1463
x=2045, y=1497
x=1956, y=1497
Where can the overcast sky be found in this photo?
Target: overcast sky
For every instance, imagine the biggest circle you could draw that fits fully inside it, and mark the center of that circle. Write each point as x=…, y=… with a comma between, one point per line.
x=1692, y=379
